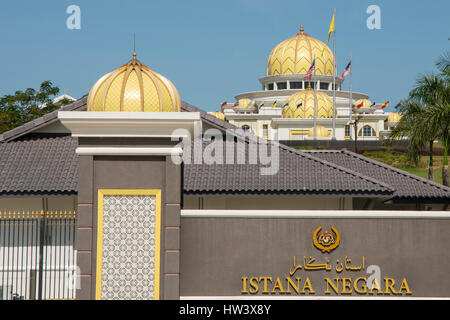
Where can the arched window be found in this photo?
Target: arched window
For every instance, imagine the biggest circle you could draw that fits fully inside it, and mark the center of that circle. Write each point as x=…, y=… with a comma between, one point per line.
x=367, y=131
x=347, y=131
x=246, y=127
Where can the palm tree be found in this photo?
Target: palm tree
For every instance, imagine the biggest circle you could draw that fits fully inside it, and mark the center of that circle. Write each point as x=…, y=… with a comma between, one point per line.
x=416, y=130
x=430, y=90
x=443, y=64
x=439, y=117
x=441, y=111
x=426, y=116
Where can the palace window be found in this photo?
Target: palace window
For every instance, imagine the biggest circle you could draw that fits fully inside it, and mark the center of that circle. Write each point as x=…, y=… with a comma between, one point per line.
x=367, y=131
x=265, y=130
x=347, y=131
x=296, y=85
x=281, y=85
x=324, y=86
x=245, y=127
x=270, y=86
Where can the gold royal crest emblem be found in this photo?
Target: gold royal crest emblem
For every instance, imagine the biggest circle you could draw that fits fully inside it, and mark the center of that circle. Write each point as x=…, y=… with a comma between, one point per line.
x=326, y=241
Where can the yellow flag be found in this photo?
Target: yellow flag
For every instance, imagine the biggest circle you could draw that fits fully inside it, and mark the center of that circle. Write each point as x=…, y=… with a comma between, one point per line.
x=329, y=33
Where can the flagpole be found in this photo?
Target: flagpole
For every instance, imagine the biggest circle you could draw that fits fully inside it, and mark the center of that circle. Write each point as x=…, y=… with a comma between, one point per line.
x=315, y=103
x=334, y=77
x=350, y=101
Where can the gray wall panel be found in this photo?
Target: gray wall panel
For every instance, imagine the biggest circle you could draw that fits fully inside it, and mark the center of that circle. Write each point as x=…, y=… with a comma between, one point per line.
x=217, y=252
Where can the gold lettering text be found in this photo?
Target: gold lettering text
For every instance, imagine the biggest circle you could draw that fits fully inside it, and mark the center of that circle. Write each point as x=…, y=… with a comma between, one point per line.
x=404, y=286
x=331, y=284
x=346, y=286
x=363, y=289
x=254, y=285
x=277, y=286
x=375, y=286
x=307, y=286
x=291, y=283
x=244, y=285
x=389, y=286
x=265, y=279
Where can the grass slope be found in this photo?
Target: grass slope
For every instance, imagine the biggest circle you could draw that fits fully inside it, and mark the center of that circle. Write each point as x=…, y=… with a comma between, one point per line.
x=398, y=160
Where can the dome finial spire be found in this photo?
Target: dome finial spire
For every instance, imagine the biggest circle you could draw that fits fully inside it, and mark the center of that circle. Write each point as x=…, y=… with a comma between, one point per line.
x=301, y=28
x=134, y=46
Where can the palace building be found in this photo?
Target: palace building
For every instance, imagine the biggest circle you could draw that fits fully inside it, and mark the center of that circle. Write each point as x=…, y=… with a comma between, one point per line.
x=132, y=193
x=266, y=115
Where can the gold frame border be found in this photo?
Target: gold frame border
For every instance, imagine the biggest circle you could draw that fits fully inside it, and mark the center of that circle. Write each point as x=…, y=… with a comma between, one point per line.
x=132, y=192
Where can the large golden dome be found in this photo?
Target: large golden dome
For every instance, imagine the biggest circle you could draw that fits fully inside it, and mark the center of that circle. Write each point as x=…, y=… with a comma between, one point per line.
x=306, y=109
x=134, y=87
x=295, y=56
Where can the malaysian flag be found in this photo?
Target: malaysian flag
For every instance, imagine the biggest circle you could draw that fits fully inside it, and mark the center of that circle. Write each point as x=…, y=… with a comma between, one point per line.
x=346, y=71
x=310, y=71
x=274, y=104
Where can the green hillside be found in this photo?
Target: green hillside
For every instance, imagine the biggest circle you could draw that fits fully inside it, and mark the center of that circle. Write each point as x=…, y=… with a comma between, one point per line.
x=398, y=160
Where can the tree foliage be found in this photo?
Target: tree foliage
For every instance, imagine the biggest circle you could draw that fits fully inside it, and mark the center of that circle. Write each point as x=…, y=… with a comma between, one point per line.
x=426, y=114
x=28, y=105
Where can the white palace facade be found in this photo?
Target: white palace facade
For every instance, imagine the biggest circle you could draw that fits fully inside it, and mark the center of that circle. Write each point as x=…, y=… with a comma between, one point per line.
x=287, y=65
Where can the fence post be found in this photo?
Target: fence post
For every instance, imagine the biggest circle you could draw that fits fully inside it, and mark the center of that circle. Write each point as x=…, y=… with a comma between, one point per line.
x=42, y=227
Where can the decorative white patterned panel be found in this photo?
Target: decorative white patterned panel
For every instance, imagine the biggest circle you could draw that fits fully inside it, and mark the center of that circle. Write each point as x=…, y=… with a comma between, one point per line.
x=129, y=247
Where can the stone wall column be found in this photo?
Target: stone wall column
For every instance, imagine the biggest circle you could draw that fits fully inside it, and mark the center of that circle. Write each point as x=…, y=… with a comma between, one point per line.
x=84, y=228
x=128, y=154
x=171, y=273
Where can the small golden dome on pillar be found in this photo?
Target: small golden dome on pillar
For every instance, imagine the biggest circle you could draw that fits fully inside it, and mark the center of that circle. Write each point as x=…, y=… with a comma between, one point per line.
x=134, y=87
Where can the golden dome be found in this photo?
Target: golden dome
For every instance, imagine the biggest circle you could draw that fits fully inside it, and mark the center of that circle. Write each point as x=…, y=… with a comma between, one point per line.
x=321, y=132
x=366, y=103
x=134, y=87
x=218, y=115
x=306, y=109
x=295, y=56
x=394, y=117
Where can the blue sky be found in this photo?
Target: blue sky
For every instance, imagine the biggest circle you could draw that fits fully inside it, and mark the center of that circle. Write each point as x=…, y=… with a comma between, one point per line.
x=212, y=50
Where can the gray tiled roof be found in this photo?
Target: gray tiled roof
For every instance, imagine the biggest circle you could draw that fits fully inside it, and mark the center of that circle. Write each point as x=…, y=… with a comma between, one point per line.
x=42, y=121
x=298, y=173
x=48, y=165
x=406, y=185
x=39, y=166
